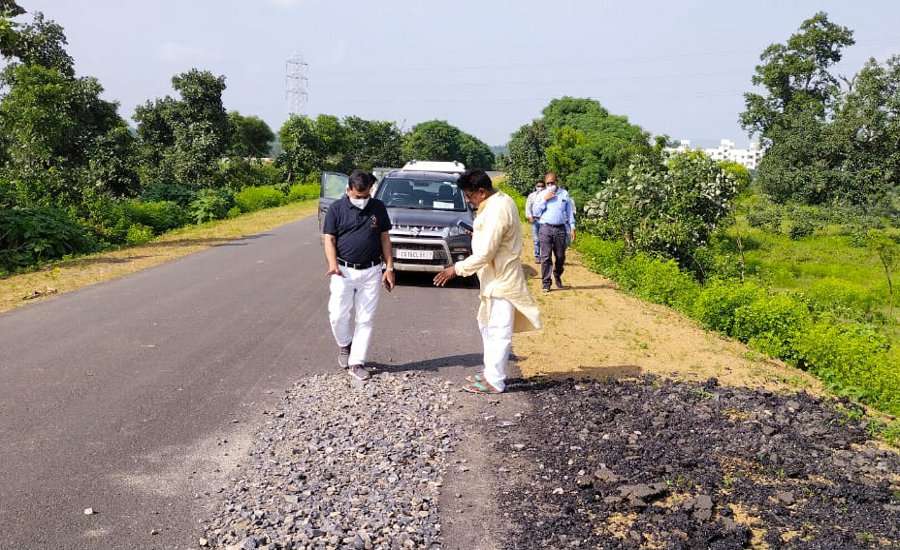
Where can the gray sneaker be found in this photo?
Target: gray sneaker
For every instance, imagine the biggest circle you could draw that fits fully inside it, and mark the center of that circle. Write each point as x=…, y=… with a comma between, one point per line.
x=359, y=372
x=344, y=357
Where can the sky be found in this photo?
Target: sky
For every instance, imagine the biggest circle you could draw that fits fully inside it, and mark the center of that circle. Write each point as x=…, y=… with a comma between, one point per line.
x=487, y=66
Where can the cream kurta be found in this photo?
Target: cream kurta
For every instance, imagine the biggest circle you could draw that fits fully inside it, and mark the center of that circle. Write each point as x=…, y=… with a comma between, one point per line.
x=497, y=259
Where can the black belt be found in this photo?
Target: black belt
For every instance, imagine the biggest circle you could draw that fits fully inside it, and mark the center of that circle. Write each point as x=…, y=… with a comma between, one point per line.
x=557, y=225
x=367, y=265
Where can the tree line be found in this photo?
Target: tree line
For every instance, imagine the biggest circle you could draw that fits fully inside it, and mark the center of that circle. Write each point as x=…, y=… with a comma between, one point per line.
x=75, y=176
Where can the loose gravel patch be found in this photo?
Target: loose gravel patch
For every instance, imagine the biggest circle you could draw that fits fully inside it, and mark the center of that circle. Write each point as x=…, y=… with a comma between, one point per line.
x=661, y=464
x=343, y=465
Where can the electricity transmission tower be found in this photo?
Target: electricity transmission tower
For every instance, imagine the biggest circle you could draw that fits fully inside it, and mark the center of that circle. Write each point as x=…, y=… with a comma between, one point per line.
x=296, y=84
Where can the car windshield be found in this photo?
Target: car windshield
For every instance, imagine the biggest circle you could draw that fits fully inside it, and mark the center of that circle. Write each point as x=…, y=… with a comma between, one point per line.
x=422, y=194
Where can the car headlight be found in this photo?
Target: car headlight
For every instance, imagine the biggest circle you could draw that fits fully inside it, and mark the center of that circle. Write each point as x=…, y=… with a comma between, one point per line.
x=455, y=231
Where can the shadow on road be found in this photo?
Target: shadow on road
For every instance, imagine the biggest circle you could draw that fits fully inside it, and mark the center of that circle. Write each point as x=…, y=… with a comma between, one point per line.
x=432, y=365
x=423, y=280
x=211, y=241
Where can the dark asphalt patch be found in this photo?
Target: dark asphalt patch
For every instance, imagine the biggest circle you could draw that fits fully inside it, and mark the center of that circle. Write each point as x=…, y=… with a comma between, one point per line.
x=661, y=464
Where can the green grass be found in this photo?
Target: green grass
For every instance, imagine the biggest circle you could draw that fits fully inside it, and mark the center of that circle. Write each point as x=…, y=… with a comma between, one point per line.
x=826, y=266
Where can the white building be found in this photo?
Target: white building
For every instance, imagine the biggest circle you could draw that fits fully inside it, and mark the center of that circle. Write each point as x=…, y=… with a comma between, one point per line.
x=726, y=150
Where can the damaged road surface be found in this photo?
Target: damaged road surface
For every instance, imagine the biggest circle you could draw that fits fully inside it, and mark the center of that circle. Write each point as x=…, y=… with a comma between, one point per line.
x=661, y=464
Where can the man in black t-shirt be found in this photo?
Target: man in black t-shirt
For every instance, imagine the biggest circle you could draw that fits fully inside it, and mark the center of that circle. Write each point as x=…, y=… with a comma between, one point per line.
x=357, y=244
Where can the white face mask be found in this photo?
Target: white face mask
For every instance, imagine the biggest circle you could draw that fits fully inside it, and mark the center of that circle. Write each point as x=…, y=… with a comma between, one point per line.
x=551, y=188
x=360, y=203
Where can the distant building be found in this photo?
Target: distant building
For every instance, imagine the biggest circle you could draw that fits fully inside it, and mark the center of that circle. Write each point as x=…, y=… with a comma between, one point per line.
x=726, y=150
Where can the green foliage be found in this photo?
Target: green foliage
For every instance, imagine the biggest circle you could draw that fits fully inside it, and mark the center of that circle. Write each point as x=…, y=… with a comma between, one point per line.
x=32, y=235
x=184, y=139
x=41, y=42
x=664, y=207
x=373, y=143
x=172, y=192
x=527, y=161
x=840, y=297
x=303, y=192
x=251, y=199
x=738, y=172
x=210, y=204
x=162, y=216
x=441, y=141
x=826, y=144
x=801, y=228
x=851, y=359
x=237, y=173
x=716, y=304
x=587, y=143
x=768, y=218
x=139, y=234
x=250, y=137
x=59, y=137
x=772, y=324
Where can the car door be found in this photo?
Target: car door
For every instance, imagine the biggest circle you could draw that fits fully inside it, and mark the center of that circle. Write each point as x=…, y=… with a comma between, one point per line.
x=334, y=186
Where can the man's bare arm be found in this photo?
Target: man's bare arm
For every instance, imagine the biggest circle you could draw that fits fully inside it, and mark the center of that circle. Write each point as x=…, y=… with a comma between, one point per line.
x=329, y=243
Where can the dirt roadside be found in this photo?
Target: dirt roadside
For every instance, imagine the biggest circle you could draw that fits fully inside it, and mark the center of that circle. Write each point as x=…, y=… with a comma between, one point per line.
x=592, y=329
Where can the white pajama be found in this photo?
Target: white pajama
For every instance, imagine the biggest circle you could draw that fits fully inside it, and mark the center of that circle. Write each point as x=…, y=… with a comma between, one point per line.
x=496, y=336
x=358, y=289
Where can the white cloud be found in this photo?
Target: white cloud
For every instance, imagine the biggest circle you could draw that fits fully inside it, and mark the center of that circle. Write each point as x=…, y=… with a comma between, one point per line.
x=286, y=3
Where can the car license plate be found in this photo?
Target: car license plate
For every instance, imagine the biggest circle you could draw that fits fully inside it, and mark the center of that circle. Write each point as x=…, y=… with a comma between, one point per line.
x=415, y=254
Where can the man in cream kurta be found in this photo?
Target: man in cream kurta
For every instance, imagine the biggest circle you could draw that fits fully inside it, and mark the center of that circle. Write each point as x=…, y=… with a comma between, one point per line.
x=506, y=304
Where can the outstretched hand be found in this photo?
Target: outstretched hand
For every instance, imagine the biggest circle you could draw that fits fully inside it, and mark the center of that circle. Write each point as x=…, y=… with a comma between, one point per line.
x=445, y=276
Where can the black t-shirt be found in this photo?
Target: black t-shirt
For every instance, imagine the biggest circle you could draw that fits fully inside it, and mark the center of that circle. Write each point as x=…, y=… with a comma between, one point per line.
x=358, y=232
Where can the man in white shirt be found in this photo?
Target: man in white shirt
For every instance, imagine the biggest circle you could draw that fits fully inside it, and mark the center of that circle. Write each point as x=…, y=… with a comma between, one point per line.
x=533, y=220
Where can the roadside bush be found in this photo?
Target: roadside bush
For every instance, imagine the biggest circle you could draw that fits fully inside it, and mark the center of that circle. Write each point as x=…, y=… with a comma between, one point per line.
x=659, y=281
x=210, y=204
x=844, y=298
x=772, y=324
x=801, y=228
x=851, y=358
x=32, y=235
x=716, y=304
x=303, y=192
x=172, y=192
x=251, y=199
x=239, y=173
x=601, y=255
x=162, y=216
x=139, y=234
x=767, y=218
x=233, y=212
x=106, y=217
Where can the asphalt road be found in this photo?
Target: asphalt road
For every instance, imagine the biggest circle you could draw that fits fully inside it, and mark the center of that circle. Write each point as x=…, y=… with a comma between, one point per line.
x=137, y=396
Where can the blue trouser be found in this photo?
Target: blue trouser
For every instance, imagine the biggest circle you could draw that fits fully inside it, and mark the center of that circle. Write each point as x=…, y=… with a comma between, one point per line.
x=535, y=236
x=553, y=247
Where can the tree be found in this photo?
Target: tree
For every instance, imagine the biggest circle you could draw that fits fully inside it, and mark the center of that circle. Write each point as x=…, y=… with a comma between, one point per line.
x=373, y=143
x=863, y=137
x=184, y=139
x=302, y=149
x=664, y=206
x=250, y=137
x=8, y=34
x=438, y=140
x=41, y=42
x=580, y=140
x=53, y=128
x=791, y=117
x=527, y=161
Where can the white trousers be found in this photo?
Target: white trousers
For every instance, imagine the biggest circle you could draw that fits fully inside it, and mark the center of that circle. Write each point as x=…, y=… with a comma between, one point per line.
x=497, y=339
x=358, y=289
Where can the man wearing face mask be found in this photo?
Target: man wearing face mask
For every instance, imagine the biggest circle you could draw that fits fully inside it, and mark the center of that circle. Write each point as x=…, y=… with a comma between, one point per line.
x=357, y=244
x=506, y=304
x=532, y=219
x=555, y=213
